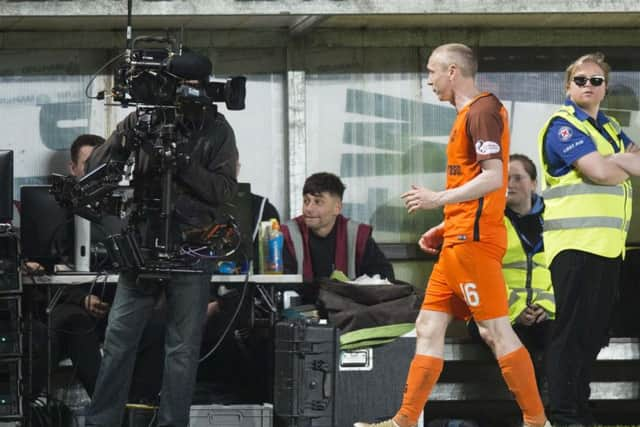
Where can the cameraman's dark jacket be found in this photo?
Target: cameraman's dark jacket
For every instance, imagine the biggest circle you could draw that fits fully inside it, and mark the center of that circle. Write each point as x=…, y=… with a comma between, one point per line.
x=205, y=183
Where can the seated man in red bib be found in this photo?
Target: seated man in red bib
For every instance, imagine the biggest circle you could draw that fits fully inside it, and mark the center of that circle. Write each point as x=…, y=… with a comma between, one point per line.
x=321, y=240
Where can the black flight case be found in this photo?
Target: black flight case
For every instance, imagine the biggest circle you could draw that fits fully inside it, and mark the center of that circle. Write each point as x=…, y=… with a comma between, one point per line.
x=305, y=374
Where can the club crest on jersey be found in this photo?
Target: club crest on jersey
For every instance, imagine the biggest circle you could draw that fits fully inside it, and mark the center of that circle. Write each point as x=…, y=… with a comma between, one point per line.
x=487, y=147
x=565, y=133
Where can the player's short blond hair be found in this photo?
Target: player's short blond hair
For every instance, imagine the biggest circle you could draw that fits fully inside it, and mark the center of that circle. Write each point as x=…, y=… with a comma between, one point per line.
x=459, y=54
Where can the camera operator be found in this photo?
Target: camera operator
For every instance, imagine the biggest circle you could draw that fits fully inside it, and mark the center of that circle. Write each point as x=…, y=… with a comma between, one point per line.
x=207, y=180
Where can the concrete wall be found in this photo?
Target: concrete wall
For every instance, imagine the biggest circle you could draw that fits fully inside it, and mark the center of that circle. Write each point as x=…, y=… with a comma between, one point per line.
x=308, y=7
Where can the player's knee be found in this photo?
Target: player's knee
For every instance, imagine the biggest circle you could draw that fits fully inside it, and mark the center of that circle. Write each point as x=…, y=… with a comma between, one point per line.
x=494, y=333
x=488, y=335
x=497, y=333
x=422, y=330
x=428, y=329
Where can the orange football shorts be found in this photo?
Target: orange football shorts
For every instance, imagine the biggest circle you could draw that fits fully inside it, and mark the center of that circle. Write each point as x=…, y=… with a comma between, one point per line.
x=467, y=281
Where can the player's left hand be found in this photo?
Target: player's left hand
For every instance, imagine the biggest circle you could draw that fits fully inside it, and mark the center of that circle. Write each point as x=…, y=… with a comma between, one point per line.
x=421, y=198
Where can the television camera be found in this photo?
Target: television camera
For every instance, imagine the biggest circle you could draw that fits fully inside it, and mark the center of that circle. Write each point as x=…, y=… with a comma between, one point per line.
x=165, y=84
x=169, y=76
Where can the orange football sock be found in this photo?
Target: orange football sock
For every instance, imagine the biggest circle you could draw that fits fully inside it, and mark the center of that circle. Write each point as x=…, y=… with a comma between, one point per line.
x=423, y=375
x=519, y=375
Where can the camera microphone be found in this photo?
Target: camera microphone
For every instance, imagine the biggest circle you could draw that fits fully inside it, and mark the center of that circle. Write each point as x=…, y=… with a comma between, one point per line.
x=190, y=66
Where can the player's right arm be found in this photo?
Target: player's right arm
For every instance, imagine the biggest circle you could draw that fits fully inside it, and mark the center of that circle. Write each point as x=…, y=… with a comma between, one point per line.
x=490, y=179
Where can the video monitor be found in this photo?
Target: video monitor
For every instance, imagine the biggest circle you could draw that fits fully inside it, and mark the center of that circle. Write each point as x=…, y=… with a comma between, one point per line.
x=6, y=186
x=46, y=229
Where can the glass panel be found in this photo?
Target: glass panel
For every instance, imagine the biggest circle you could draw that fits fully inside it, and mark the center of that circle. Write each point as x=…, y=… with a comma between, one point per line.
x=260, y=137
x=380, y=136
x=382, y=132
x=43, y=108
x=622, y=102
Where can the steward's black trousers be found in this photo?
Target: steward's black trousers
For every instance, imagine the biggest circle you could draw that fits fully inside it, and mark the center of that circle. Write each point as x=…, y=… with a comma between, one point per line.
x=585, y=286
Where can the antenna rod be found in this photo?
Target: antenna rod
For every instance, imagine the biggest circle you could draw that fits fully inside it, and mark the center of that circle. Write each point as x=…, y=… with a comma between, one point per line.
x=128, y=48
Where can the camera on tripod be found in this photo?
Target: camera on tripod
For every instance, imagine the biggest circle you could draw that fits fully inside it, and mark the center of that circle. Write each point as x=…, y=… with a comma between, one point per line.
x=174, y=97
x=169, y=76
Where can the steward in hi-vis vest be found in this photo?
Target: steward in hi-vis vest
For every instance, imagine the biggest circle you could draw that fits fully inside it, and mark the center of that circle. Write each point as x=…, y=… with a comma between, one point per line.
x=587, y=161
x=524, y=267
x=579, y=214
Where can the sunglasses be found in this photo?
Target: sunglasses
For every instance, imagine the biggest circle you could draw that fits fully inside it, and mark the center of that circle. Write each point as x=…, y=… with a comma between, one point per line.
x=594, y=80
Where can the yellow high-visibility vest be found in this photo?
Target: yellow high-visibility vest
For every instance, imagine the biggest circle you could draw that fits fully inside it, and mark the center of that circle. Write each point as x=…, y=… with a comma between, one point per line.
x=527, y=277
x=579, y=214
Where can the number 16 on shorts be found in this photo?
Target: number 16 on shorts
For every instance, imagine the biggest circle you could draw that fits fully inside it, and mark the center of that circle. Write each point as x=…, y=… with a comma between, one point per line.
x=470, y=295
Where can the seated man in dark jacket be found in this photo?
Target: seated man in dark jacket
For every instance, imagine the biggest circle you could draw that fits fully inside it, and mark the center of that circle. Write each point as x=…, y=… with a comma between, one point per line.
x=321, y=240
